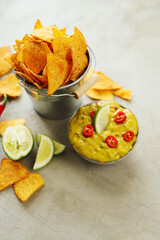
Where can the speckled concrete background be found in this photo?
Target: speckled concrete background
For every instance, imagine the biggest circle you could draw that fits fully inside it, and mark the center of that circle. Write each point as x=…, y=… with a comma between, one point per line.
x=80, y=200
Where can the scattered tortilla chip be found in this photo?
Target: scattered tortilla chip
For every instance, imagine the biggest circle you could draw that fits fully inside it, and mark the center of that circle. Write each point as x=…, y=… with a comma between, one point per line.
x=28, y=185
x=58, y=70
x=35, y=55
x=11, y=172
x=38, y=24
x=105, y=83
x=10, y=86
x=123, y=93
x=5, y=67
x=13, y=122
x=100, y=95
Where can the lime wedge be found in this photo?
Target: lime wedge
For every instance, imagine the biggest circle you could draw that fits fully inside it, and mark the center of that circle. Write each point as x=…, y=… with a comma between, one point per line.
x=101, y=118
x=17, y=141
x=45, y=152
x=58, y=147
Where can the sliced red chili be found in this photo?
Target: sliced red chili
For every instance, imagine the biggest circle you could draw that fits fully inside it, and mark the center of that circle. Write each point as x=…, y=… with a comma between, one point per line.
x=120, y=117
x=3, y=104
x=88, y=130
x=128, y=136
x=115, y=108
x=92, y=113
x=111, y=141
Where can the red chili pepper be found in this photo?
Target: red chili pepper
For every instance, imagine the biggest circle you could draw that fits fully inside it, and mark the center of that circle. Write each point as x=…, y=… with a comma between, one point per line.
x=128, y=136
x=92, y=113
x=120, y=117
x=3, y=103
x=88, y=130
x=115, y=108
x=111, y=141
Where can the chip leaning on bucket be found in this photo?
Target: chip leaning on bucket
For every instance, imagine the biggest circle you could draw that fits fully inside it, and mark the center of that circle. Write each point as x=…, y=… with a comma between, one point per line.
x=48, y=58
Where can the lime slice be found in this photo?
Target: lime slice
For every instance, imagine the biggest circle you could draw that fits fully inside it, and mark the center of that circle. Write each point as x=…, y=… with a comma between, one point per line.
x=45, y=152
x=101, y=118
x=17, y=141
x=58, y=147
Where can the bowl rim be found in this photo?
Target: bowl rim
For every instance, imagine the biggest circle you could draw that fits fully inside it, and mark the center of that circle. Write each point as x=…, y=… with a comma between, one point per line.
x=108, y=162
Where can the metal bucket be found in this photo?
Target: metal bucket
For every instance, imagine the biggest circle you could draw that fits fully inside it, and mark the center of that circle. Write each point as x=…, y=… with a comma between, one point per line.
x=62, y=103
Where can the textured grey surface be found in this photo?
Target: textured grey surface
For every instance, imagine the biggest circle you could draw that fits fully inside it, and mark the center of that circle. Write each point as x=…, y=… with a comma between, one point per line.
x=81, y=200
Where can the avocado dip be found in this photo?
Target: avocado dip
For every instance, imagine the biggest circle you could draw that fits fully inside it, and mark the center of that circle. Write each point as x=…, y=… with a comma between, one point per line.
x=97, y=147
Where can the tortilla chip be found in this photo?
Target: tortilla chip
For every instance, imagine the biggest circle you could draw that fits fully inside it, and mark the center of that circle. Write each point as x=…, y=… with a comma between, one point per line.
x=11, y=172
x=38, y=78
x=105, y=83
x=5, y=67
x=58, y=70
x=58, y=32
x=35, y=55
x=79, y=63
x=10, y=86
x=79, y=40
x=88, y=75
x=60, y=43
x=45, y=33
x=100, y=95
x=13, y=122
x=38, y=24
x=15, y=48
x=28, y=79
x=28, y=185
x=123, y=93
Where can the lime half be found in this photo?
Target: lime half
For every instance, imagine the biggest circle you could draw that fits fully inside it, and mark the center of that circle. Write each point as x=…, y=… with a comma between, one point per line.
x=58, y=147
x=45, y=152
x=101, y=118
x=17, y=141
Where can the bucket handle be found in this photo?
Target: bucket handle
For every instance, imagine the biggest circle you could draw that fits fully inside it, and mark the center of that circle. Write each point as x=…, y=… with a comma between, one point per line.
x=83, y=88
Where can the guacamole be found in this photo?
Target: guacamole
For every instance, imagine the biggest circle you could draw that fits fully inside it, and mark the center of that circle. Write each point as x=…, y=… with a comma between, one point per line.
x=95, y=147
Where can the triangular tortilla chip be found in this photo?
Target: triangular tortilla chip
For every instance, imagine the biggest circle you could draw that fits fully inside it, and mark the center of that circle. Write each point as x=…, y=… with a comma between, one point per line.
x=105, y=83
x=28, y=185
x=10, y=86
x=38, y=24
x=123, y=93
x=13, y=122
x=58, y=70
x=101, y=95
x=5, y=67
x=35, y=55
x=45, y=33
x=11, y=172
x=79, y=63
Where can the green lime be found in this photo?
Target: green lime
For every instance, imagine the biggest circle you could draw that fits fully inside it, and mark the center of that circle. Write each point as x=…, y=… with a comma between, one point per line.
x=58, y=147
x=101, y=118
x=45, y=152
x=17, y=141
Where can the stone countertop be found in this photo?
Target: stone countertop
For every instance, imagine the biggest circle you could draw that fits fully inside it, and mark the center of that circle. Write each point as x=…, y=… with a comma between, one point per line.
x=80, y=200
